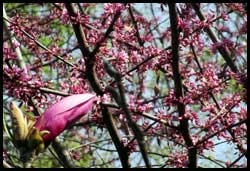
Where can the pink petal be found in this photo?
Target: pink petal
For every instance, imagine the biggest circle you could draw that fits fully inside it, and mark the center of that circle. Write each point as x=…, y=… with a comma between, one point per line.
x=67, y=103
x=60, y=115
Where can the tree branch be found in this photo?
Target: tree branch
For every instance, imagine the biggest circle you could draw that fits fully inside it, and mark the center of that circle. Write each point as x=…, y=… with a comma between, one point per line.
x=109, y=30
x=123, y=104
x=95, y=84
x=221, y=130
x=41, y=45
x=235, y=161
x=13, y=39
x=23, y=66
x=223, y=51
x=62, y=154
x=192, y=151
x=80, y=35
x=135, y=25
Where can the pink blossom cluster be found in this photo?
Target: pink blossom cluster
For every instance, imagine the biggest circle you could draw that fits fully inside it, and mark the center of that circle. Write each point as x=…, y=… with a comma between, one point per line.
x=178, y=160
x=112, y=8
x=8, y=53
x=131, y=146
x=203, y=107
x=19, y=85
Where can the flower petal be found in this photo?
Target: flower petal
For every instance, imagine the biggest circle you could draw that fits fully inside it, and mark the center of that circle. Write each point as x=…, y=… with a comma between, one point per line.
x=60, y=115
x=68, y=102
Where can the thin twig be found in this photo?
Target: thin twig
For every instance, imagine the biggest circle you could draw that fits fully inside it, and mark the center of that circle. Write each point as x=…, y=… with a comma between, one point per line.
x=223, y=51
x=136, y=26
x=221, y=130
x=41, y=45
x=123, y=104
x=235, y=161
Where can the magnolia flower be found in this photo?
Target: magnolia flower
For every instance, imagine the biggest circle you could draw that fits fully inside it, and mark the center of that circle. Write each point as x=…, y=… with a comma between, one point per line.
x=32, y=136
x=60, y=115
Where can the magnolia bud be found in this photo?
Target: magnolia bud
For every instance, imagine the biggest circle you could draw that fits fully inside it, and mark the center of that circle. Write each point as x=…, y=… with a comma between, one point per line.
x=19, y=124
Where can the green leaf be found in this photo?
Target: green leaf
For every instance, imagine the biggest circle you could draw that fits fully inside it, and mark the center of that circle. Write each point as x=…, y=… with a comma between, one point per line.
x=46, y=41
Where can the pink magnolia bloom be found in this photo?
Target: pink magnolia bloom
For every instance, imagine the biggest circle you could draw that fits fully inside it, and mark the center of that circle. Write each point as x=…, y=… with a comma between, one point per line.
x=60, y=115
